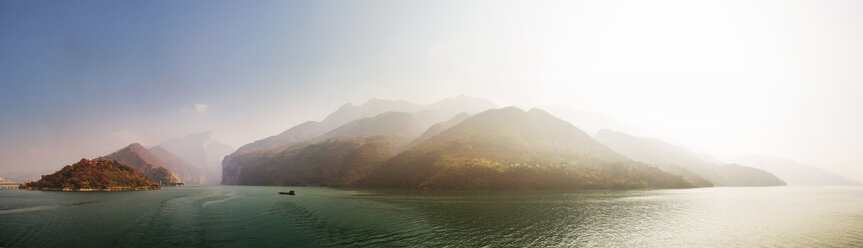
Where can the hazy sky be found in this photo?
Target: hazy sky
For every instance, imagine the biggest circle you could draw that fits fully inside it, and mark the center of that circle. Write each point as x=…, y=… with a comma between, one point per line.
x=727, y=78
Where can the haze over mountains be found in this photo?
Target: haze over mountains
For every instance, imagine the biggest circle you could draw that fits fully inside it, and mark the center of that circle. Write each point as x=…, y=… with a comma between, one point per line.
x=795, y=173
x=426, y=115
x=682, y=162
x=455, y=143
x=391, y=137
x=169, y=162
x=510, y=148
x=202, y=152
x=473, y=153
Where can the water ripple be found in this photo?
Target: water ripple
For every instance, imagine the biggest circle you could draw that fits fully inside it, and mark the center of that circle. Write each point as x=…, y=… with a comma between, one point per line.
x=43, y=208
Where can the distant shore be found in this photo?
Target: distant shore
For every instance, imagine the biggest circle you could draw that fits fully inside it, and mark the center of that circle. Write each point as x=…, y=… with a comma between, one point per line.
x=96, y=190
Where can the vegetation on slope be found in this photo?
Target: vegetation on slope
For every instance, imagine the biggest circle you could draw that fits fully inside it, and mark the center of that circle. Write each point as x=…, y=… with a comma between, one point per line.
x=335, y=162
x=476, y=154
x=349, y=149
x=142, y=160
x=399, y=125
x=97, y=174
x=424, y=114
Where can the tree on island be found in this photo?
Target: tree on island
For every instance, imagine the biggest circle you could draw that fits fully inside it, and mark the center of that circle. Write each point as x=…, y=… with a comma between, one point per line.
x=97, y=174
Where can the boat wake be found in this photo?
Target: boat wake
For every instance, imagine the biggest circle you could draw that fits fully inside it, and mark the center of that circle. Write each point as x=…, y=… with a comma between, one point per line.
x=43, y=208
x=231, y=195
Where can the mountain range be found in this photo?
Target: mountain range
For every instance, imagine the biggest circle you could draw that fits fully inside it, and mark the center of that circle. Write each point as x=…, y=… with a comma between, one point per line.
x=463, y=152
x=425, y=115
x=682, y=162
x=510, y=148
x=397, y=135
x=456, y=143
x=337, y=158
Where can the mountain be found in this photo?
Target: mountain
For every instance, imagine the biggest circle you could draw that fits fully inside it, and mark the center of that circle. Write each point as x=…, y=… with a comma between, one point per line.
x=183, y=170
x=399, y=125
x=590, y=122
x=445, y=109
x=510, y=148
x=142, y=160
x=795, y=173
x=202, y=152
x=337, y=158
x=425, y=114
x=335, y=162
x=440, y=127
x=349, y=112
x=680, y=161
x=94, y=175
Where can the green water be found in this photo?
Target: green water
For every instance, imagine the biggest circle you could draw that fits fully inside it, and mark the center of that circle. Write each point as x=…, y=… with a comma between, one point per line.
x=239, y=216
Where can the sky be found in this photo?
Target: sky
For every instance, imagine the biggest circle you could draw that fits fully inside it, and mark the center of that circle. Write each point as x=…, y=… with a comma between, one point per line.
x=725, y=78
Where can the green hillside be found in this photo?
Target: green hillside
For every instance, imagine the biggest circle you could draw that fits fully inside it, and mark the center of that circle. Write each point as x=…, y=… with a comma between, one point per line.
x=335, y=162
x=94, y=175
x=477, y=153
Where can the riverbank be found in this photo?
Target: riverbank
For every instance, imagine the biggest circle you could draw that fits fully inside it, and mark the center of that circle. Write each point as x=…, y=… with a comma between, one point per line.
x=109, y=189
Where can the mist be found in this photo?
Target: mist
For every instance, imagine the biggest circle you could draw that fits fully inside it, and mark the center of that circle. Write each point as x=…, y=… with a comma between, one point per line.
x=724, y=78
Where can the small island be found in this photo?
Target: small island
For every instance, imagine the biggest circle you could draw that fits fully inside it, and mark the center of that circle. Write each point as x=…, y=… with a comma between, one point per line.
x=94, y=175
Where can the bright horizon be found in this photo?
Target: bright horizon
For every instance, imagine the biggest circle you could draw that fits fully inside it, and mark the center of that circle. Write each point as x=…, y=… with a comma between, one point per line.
x=724, y=78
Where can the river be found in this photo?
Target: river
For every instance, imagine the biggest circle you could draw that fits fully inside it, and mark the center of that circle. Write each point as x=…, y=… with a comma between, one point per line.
x=252, y=216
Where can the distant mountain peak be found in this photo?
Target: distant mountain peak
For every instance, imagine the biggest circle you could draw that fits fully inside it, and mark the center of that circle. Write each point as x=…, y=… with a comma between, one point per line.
x=539, y=113
x=137, y=156
x=347, y=106
x=136, y=147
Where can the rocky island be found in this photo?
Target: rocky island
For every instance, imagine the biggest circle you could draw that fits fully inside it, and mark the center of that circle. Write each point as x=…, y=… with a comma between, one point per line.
x=94, y=175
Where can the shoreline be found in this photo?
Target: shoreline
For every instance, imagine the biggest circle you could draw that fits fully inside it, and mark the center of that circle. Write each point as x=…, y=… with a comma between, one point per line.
x=111, y=189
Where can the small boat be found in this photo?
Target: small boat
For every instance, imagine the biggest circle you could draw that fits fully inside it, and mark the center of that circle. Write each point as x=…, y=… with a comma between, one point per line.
x=288, y=193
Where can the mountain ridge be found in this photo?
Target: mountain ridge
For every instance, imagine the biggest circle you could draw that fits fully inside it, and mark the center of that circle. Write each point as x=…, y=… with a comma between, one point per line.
x=348, y=113
x=683, y=162
x=337, y=158
x=795, y=173
x=142, y=160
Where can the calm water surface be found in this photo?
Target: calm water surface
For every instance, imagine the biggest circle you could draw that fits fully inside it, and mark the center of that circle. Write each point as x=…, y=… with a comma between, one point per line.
x=241, y=216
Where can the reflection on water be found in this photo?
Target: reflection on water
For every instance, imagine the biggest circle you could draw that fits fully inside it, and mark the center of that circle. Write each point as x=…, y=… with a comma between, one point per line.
x=232, y=216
